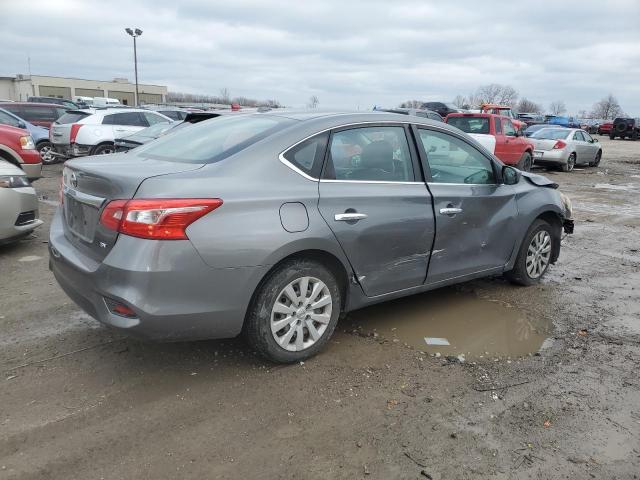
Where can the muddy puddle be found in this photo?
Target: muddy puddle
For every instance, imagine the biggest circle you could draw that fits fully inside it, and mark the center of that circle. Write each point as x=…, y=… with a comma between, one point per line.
x=453, y=322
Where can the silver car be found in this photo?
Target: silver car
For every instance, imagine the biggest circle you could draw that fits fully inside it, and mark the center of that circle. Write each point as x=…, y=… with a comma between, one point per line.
x=565, y=148
x=18, y=204
x=271, y=224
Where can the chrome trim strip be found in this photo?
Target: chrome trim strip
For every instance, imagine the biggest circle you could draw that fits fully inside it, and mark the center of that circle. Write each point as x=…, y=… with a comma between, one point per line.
x=466, y=184
x=384, y=182
x=83, y=197
x=292, y=166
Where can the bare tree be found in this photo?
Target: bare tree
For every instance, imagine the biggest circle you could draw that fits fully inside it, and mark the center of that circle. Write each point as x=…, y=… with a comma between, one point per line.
x=496, y=93
x=607, y=108
x=461, y=102
x=526, y=105
x=313, y=102
x=225, y=96
x=558, y=107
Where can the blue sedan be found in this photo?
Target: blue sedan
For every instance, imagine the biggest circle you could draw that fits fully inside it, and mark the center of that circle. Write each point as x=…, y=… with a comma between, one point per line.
x=40, y=135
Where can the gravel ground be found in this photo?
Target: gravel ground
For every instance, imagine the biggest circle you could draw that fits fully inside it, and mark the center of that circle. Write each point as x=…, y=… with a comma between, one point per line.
x=80, y=401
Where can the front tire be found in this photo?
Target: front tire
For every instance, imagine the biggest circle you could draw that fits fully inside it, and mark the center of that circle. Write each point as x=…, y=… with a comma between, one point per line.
x=525, y=162
x=596, y=161
x=46, y=149
x=294, y=312
x=534, y=256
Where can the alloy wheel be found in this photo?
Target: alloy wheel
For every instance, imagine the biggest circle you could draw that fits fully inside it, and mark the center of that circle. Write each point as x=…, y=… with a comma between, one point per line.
x=301, y=314
x=46, y=155
x=538, y=254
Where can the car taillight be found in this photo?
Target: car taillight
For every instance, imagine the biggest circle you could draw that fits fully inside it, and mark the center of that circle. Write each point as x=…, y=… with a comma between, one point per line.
x=74, y=132
x=159, y=219
x=559, y=145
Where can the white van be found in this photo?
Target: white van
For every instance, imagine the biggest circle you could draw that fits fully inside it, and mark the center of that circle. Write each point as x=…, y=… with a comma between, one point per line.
x=105, y=102
x=88, y=101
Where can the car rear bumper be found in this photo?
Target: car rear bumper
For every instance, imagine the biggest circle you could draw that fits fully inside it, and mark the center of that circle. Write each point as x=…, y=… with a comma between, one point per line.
x=550, y=157
x=174, y=294
x=65, y=150
x=18, y=213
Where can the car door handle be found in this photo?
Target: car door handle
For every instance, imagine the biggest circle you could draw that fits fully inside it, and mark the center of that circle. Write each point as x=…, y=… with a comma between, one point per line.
x=349, y=217
x=450, y=211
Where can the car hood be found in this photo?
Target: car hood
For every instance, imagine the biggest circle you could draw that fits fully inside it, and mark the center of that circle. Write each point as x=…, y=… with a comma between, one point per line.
x=539, y=180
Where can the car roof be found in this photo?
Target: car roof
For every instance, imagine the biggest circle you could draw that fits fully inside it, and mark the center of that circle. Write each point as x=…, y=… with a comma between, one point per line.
x=33, y=104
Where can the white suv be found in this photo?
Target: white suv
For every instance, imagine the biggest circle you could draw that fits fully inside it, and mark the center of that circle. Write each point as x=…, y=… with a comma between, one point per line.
x=92, y=131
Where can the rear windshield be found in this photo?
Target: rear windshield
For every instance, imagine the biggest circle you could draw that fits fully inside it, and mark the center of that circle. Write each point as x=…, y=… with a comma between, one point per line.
x=71, y=117
x=470, y=124
x=551, y=133
x=213, y=140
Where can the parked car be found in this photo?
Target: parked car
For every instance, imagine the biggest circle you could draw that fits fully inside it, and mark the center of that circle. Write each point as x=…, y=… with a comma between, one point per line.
x=18, y=204
x=160, y=129
x=535, y=128
x=498, y=134
x=154, y=241
x=531, y=118
x=605, y=128
x=418, y=112
x=39, y=114
x=443, y=109
x=40, y=135
x=565, y=148
x=625, y=128
x=174, y=113
x=17, y=147
x=53, y=101
x=92, y=131
x=567, y=122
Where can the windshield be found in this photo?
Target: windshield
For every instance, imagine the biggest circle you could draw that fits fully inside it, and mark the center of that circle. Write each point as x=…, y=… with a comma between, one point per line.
x=213, y=140
x=470, y=124
x=551, y=133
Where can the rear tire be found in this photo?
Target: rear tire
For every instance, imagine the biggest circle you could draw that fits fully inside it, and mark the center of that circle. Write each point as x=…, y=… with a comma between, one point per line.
x=525, y=162
x=281, y=324
x=534, y=256
x=45, y=149
x=104, y=149
x=571, y=162
x=611, y=136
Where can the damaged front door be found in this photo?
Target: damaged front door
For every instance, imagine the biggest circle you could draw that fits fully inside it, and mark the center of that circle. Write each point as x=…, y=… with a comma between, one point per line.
x=474, y=214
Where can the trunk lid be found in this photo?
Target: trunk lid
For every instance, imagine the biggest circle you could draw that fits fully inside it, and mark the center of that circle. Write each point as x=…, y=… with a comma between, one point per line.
x=90, y=183
x=543, y=144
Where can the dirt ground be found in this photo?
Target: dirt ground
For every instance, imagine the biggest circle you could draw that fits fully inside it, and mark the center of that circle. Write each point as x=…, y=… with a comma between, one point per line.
x=549, y=386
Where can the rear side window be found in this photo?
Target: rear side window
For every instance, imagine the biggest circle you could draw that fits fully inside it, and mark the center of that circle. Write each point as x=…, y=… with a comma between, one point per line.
x=370, y=154
x=131, y=119
x=173, y=114
x=308, y=155
x=213, y=140
x=38, y=113
x=71, y=117
x=153, y=118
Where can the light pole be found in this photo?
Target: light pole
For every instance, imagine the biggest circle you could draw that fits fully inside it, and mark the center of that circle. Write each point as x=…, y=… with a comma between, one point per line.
x=135, y=33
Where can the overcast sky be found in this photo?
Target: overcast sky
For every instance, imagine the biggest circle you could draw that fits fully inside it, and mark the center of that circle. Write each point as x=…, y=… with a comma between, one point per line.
x=350, y=54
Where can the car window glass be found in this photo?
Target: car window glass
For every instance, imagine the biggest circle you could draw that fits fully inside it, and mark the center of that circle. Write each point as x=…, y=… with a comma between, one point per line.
x=508, y=129
x=498, y=126
x=39, y=113
x=451, y=160
x=133, y=119
x=470, y=124
x=152, y=118
x=587, y=137
x=578, y=136
x=173, y=114
x=7, y=119
x=370, y=154
x=308, y=155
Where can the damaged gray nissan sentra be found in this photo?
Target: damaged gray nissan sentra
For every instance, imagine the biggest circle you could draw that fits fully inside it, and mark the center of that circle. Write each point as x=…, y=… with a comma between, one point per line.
x=271, y=224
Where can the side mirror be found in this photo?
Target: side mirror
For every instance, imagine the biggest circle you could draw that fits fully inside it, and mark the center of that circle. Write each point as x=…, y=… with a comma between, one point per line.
x=510, y=175
x=595, y=140
x=519, y=133
x=22, y=125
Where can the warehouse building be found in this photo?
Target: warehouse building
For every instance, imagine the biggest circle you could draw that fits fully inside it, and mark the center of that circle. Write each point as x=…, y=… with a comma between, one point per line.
x=21, y=87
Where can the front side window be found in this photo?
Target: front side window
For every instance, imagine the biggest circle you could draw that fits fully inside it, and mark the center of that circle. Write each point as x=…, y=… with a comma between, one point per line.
x=7, y=119
x=578, y=136
x=498, y=126
x=152, y=118
x=370, y=154
x=308, y=155
x=451, y=160
x=587, y=137
x=507, y=126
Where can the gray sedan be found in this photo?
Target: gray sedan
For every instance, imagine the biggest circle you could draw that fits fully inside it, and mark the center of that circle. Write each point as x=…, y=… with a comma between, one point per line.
x=271, y=224
x=565, y=148
x=18, y=204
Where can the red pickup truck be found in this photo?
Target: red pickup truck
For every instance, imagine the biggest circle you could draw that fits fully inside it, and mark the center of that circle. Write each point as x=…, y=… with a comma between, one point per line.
x=17, y=147
x=498, y=134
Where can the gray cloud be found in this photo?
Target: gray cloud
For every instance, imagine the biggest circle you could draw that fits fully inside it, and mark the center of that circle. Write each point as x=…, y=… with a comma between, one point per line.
x=348, y=53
